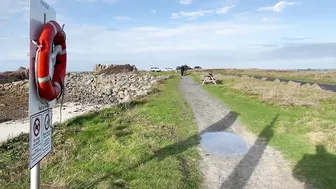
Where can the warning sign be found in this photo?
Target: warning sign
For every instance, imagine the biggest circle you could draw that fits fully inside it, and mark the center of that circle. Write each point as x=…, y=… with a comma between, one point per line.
x=36, y=127
x=40, y=136
x=47, y=133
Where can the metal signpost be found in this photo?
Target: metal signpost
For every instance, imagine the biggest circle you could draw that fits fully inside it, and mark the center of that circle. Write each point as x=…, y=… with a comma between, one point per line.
x=40, y=114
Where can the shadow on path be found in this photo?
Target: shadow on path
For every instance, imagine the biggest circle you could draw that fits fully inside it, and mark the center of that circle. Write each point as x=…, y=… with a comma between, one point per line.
x=173, y=149
x=318, y=169
x=243, y=171
x=222, y=124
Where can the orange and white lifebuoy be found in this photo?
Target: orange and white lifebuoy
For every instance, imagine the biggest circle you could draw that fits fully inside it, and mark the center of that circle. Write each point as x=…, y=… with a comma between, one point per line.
x=51, y=34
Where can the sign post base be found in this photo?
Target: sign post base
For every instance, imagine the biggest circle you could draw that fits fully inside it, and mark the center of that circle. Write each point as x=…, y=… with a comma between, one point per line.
x=35, y=177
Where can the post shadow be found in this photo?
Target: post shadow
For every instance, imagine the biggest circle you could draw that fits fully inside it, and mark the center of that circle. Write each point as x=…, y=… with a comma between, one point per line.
x=177, y=148
x=222, y=124
x=194, y=140
x=243, y=171
x=319, y=169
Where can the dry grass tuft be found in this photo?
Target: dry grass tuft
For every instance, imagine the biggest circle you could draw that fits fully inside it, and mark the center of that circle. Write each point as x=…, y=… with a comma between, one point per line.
x=279, y=93
x=318, y=137
x=293, y=84
x=318, y=76
x=322, y=131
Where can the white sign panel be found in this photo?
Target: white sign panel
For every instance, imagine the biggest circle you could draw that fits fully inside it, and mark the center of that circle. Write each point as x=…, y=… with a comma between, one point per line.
x=40, y=135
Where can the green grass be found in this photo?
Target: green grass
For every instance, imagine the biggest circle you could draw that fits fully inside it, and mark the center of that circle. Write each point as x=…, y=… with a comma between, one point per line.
x=311, y=162
x=150, y=143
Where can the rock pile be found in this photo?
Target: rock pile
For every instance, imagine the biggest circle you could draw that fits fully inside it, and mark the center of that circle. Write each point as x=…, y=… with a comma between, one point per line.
x=13, y=76
x=113, y=68
x=13, y=100
x=91, y=88
x=17, y=86
x=82, y=88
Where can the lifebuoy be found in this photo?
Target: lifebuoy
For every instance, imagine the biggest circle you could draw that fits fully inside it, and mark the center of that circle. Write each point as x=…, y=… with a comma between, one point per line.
x=51, y=34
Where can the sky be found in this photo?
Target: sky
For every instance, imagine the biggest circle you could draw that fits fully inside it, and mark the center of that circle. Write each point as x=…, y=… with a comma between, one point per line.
x=271, y=34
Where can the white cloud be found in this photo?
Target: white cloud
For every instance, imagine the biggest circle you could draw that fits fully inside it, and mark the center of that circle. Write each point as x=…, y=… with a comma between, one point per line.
x=268, y=19
x=153, y=11
x=201, y=36
x=112, y=43
x=224, y=9
x=192, y=14
x=10, y=9
x=277, y=7
x=185, y=2
x=207, y=42
x=195, y=14
x=122, y=18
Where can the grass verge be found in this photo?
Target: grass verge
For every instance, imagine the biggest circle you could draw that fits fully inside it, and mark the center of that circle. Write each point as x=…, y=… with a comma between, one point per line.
x=139, y=145
x=304, y=135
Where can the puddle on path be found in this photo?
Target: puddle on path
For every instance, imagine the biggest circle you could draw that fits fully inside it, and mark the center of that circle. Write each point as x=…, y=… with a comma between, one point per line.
x=223, y=143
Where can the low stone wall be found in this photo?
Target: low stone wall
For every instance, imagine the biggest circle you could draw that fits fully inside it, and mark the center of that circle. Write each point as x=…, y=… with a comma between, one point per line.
x=81, y=88
x=108, y=89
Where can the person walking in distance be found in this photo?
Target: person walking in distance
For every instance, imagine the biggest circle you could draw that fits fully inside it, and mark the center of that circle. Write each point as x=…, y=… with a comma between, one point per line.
x=182, y=70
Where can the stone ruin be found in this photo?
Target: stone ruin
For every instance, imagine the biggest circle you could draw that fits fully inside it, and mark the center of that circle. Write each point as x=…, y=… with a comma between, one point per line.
x=113, y=68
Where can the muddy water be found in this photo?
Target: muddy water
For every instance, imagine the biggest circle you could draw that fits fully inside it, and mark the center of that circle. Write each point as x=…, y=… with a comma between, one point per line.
x=223, y=143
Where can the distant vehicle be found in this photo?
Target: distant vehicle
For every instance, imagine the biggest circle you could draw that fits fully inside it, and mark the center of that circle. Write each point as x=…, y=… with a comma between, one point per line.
x=168, y=69
x=197, y=67
x=155, y=69
x=187, y=68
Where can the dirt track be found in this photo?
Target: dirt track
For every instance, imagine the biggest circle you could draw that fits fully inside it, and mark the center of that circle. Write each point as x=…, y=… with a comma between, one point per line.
x=261, y=167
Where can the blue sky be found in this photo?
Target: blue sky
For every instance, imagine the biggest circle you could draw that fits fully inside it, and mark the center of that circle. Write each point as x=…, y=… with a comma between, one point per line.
x=166, y=33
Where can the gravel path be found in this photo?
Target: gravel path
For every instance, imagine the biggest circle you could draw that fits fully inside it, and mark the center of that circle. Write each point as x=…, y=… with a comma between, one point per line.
x=260, y=168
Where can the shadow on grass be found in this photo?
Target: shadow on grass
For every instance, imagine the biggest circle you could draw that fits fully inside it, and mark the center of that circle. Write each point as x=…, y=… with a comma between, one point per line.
x=319, y=169
x=243, y=171
x=219, y=81
x=174, y=149
x=82, y=119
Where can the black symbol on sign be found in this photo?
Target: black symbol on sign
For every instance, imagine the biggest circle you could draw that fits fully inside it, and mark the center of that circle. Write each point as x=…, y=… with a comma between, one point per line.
x=36, y=127
x=47, y=122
